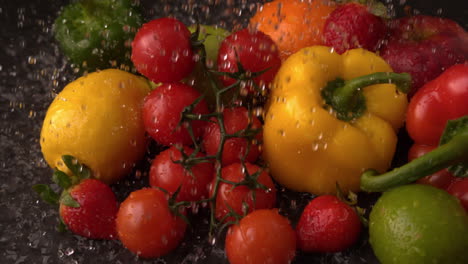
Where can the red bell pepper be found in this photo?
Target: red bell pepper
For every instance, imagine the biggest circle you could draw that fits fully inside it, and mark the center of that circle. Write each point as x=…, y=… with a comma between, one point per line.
x=440, y=104
x=440, y=100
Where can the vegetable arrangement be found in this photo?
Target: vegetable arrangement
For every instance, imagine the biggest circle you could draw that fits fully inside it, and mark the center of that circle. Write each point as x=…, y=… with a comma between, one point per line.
x=315, y=112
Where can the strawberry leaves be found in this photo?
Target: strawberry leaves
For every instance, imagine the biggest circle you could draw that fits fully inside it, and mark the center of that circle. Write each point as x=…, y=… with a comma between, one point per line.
x=46, y=193
x=65, y=182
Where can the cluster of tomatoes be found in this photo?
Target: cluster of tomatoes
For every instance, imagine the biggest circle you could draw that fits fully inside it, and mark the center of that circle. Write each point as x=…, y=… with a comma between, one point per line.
x=212, y=156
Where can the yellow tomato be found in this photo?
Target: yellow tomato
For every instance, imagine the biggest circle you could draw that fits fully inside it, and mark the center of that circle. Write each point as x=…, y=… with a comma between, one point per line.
x=97, y=119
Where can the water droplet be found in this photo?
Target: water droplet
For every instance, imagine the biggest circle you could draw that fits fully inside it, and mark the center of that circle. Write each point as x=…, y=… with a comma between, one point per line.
x=164, y=240
x=69, y=251
x=213, y=241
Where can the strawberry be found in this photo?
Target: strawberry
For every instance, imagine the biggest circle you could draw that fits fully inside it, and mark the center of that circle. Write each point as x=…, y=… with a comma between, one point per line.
x=424, y=46
x=96, y=212
x=327, y=224
x=351, y=26
x=88, y=207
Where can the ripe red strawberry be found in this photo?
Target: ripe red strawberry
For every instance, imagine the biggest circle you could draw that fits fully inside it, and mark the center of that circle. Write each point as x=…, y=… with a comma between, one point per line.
x=96, y=212
x=352, y=26
x=327, y=224
x=88, y=207
x=424, y=46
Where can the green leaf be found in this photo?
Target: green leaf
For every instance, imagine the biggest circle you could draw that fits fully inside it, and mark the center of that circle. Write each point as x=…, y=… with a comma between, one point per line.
x=379, y=9
x=61, y=179
x=453, y=128
x=67, y=199
x=61, y=227
x=46, y=193
x=78, y=169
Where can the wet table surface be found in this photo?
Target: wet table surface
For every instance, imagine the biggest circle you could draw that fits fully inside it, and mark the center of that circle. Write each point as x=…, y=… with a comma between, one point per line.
x=32, y=70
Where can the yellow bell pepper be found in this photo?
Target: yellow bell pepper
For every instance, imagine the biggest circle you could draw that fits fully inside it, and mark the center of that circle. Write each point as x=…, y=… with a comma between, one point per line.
x=315, y=137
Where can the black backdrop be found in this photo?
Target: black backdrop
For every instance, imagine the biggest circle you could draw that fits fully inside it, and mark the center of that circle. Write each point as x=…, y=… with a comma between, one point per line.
x=32, y=70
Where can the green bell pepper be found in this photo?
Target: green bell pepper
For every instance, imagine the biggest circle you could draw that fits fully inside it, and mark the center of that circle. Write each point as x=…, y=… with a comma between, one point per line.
x=97, y=34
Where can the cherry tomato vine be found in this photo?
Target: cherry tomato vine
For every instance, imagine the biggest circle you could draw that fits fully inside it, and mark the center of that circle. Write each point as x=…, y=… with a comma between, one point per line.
x=241, y=77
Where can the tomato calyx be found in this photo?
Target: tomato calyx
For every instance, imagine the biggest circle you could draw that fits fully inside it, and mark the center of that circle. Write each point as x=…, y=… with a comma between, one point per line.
x=176, y=208
x=250, y=180
x=187, y=161
x=232, y=214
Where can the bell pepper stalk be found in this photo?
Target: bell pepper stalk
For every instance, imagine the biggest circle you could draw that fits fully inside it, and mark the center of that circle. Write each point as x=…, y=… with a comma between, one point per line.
x=345, y=97
x=429, y=110
x=452, y=153
x=330, y=116
x=96, y=34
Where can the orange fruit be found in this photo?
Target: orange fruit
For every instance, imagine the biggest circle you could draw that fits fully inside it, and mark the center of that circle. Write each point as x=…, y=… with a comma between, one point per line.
x=293, y=24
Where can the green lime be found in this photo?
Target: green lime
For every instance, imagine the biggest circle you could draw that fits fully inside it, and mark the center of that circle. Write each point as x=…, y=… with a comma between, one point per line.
x=419, y=224
x=212, y=37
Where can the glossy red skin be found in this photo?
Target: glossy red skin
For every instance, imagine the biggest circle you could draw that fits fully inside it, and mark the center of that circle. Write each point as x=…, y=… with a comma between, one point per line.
x=95, y=218
x=161, y=50
x=352, y=26
x=166, y=174
x=441, y=179
x=162, y=110
x=263, y=236
x=228, y=197
x=424, y=46
x=256, y=52
x=459, y=189
x=440, y=100
x=146, y=226
x=327, y=225
x=235, y=120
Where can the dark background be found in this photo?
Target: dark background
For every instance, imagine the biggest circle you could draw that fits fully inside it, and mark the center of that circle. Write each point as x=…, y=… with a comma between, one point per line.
x=32, y=71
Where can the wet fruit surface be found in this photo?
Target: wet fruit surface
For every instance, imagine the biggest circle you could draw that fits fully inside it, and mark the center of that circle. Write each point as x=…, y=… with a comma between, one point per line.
x=419, y=224
x=97, y=119
x=32, y=73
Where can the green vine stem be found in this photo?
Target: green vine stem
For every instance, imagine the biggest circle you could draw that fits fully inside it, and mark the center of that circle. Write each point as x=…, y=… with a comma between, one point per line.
x=217, y=116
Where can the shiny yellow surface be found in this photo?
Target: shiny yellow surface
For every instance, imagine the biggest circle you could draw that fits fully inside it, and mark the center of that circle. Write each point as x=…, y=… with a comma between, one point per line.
x=306, y=146
x=97, y=119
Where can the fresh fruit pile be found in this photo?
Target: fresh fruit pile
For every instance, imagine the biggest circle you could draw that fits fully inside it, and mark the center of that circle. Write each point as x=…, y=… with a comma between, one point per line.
x=309, y=96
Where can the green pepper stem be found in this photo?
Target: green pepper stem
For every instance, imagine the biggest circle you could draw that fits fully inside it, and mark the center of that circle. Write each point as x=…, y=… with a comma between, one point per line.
x=445, y=155
x=344, y=95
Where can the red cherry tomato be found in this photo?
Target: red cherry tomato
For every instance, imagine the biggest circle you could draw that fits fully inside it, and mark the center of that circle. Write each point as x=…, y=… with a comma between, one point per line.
x=327, y=225
x=146, y=226
x=442, y=99
x=441, y=179
x=162, y=110
x=235, y=120
x=162, y=51
x=459, y=189
x=95, y=218
x=255, y=51
x=253, y=196
x=263, y=236
x=168, y=175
